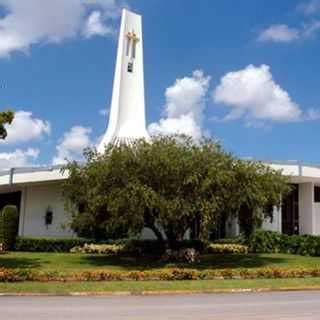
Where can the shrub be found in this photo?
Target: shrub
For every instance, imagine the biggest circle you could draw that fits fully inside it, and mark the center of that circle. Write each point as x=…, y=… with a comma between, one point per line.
x=236, y=240
x=48, y=244
x=110, y=249
x=226, y=248
x=273, y=242
x=265, y=241
x=9, y=226
x=188, y=255
x=170, y=274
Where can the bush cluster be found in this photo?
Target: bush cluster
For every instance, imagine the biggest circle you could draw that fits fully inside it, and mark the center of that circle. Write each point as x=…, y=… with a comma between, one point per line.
x=226, y=248
x=48, y=244
x=137, y=247
x=9, y=224
x=110, y=249
x=174, y=274
x=273, y=242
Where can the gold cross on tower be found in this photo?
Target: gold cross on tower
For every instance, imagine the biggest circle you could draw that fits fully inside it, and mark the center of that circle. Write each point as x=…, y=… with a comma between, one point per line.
x=132, y=38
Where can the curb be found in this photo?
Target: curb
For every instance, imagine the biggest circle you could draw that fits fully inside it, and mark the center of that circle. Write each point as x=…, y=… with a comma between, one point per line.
x=156, y=293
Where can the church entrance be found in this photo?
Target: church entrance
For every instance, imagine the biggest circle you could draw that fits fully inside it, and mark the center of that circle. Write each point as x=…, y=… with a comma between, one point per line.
x=290, y=212
x=12, y=198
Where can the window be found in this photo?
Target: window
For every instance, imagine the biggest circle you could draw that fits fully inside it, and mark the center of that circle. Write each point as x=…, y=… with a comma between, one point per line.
x=128, y=46
x=316, y=194
x=130, y=67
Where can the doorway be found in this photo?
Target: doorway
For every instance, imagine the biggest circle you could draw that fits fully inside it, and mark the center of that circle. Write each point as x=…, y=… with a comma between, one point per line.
x=11, y=198
x=290, y=212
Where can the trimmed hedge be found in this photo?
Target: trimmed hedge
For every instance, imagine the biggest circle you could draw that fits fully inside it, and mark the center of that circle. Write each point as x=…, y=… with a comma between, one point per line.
x=146, y=247
x=9, y=227
x=226, y=248
x=273, y=242
x=111, y=249
x=48, y=244
x=175, y=274
x=260, y=242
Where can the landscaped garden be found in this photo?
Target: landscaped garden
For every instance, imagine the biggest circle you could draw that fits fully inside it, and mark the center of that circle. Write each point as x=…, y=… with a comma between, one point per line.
x=173, y=187
x=70, y=263
x=101, y=273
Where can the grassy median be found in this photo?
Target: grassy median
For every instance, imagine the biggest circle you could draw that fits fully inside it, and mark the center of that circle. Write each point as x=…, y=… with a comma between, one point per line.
x=73, y=263
x=67, y=262
x=139, y=287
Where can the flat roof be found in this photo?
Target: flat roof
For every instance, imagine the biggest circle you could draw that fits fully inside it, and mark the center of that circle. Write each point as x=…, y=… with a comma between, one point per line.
x=27, y=175
x=298, y=171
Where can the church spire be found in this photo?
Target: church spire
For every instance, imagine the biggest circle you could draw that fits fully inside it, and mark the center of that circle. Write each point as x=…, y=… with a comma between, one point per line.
x=127, y=115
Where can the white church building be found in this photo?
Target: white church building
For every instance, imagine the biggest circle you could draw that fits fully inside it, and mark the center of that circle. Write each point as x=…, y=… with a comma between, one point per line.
x=37, y=192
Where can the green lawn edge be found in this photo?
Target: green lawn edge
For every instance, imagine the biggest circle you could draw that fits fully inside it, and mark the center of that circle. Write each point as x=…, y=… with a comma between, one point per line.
x=154, y=287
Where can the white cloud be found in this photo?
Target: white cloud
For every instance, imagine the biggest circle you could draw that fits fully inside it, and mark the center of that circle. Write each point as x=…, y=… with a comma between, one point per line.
x=18, y=158
x=72, y=145
x=310, y=7
x=25, y=128
x=309, y=26
x=94, y=26
x=185, y=103
x=279, y=33
x=41, y=21
x=104, y=112
x=285, y=34
x=253, y=93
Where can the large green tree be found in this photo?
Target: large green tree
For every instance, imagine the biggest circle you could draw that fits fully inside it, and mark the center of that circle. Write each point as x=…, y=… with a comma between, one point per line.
x=169, y=186
x=6, y=117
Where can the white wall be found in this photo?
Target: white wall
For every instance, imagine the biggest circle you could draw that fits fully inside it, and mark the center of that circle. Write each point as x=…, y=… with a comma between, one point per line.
x=232, y=227
x=306, y=214
x=35, y=201
x=316, y=212
x=274, y=224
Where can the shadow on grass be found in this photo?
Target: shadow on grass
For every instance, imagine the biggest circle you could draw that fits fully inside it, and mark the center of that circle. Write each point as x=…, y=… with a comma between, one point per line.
x=22, y=263
x=207, y=262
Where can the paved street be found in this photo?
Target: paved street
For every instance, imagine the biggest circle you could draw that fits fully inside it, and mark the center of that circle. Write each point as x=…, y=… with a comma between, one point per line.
x=293, y=305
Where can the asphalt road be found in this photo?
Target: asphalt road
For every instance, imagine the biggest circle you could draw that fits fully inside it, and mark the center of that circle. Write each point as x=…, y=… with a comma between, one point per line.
x=278, y=305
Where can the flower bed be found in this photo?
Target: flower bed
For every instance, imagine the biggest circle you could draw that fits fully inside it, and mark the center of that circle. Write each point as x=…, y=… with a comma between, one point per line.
x=226, y=248
x=174, y=274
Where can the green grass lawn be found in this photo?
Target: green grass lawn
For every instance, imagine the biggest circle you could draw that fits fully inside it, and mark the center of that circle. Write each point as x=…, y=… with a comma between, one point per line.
x=76, y=262
x=158, y=286
x=70, y=263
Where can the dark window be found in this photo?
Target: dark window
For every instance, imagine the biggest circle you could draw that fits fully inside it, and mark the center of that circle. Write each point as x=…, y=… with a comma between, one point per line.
x=130, y=67
x=12, y=198
x=316, y=194
x=290, y=212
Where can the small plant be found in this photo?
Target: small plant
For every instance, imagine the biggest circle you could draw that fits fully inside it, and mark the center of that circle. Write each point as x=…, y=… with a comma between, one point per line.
x=188, y=255
x=111, y=249
x=226, y=248
x=9, y=227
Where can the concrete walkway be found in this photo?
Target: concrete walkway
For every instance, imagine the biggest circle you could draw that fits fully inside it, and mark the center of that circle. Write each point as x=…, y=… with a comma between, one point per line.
x=242, y=306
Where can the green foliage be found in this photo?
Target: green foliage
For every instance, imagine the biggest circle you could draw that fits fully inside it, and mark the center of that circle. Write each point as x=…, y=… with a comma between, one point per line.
x=236, y=240
x=256, y=189
x=168, y=186
x=9, y=226
x=226, y=248
x=109, y=249
x=274, y=242
x=6, y=117
x=48, y=244
x=1, y=229
x=265, y=241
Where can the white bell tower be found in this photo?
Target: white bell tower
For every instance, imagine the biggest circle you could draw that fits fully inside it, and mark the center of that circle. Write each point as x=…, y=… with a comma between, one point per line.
x=127, y=115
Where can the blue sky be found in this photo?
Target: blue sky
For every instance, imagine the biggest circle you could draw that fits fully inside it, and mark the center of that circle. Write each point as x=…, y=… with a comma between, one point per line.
x=245, y=72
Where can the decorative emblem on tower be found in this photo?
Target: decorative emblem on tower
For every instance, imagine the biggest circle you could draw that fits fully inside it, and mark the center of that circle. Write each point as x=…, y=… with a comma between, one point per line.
x=132, y=41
